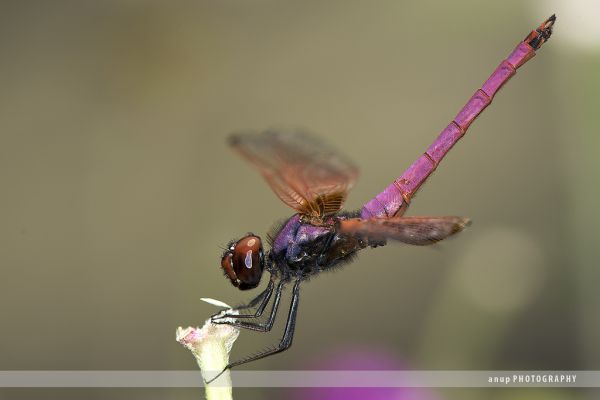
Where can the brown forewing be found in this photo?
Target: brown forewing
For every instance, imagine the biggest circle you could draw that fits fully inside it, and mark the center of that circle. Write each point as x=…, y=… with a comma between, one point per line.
x=418, y=231
x=305, y=173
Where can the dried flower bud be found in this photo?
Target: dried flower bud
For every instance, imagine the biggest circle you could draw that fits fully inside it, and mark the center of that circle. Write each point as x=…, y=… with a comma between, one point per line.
x=211, y=345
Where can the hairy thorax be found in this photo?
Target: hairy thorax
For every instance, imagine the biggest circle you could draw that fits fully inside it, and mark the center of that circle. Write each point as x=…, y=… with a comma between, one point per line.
x=301, y=247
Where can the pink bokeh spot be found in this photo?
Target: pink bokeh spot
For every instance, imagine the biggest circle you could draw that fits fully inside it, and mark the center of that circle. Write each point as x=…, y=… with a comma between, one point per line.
x=360, y=359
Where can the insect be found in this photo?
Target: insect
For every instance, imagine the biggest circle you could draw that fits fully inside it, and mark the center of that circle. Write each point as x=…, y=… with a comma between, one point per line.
x=314, y=180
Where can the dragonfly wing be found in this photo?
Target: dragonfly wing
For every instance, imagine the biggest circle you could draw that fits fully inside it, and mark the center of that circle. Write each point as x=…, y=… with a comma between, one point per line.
x=307, y=174
x=418, y=231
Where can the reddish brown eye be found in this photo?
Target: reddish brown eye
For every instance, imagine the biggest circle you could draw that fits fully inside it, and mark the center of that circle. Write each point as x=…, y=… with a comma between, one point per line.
x=247, y=261
x=227, y=265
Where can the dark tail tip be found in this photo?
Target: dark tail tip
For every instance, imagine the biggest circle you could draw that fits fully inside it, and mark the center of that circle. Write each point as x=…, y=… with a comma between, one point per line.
x=541, y=35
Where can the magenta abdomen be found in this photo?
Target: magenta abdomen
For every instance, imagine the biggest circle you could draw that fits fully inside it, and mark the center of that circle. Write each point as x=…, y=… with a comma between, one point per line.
x=520, y=55
x=394, y=199
x=500, y=76
x=477, y=103
x=444, y=142
x=415, y=175
x=385, y=204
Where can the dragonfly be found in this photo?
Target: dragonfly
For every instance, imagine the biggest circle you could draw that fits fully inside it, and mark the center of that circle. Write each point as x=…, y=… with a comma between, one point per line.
x=314, y=180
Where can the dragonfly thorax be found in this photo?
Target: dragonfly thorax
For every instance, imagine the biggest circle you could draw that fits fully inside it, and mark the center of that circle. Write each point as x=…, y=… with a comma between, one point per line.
x=302, y=249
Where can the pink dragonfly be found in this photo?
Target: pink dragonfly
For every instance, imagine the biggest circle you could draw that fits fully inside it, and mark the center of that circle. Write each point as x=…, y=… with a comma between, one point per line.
x=314, y=180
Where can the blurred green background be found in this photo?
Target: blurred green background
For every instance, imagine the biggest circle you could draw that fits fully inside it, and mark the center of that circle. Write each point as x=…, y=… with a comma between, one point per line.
x=118, y=187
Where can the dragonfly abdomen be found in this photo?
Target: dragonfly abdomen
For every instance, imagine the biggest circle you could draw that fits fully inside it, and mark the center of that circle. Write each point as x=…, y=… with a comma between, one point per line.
x=395, y=198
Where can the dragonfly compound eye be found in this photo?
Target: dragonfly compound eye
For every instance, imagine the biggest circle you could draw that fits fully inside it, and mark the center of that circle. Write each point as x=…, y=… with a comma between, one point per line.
x=247, y=262
x=227, y=265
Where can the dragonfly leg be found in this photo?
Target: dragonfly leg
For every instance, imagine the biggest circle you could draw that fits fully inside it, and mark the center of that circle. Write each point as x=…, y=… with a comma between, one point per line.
x=263, y=298
x=286, y=340
x=257, y=326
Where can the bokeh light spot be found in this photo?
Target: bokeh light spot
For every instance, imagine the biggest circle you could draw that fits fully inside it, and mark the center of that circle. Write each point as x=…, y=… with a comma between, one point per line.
x=501, y=270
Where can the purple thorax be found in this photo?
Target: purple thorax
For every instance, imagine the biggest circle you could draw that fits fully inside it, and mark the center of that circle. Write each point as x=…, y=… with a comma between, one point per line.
x=294, y=235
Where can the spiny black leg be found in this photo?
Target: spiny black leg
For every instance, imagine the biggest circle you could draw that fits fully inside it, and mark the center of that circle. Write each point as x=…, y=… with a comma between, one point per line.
x=263, y=298
x=288, y=334
x=286, y=340
x=257, y=299
x=266, y=296
x=257, y=326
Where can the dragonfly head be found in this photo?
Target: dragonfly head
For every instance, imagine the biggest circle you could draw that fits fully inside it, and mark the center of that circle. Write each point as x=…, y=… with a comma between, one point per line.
x=243, y=262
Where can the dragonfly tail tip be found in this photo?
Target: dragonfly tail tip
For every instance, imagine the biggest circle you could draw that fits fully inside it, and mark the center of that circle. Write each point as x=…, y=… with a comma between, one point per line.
x=541, y=35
